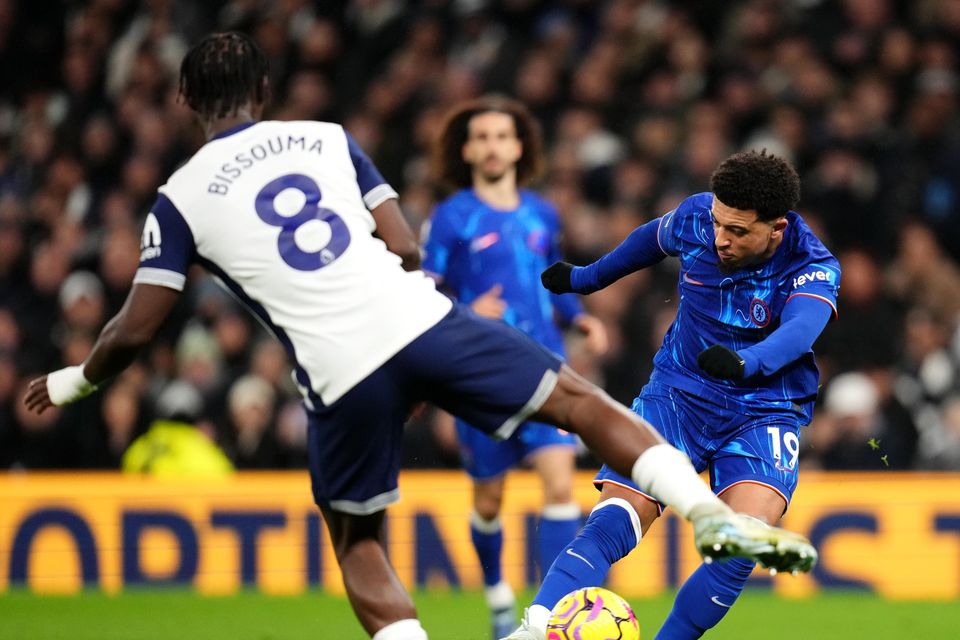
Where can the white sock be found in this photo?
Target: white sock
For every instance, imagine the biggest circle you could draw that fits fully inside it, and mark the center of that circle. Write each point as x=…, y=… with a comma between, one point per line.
x=408, y=629
x=565, y=511
x=484, y=526
x=537, y=616
x=667, y=474
x=499, y=596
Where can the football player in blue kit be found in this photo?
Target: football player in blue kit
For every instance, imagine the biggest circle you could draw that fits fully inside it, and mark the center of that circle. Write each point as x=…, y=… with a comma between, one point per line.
x=487, y=244
x=733, y=382
x=300, y=226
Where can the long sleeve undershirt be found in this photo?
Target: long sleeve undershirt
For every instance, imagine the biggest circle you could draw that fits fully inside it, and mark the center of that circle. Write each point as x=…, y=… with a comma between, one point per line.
x=801, y=321
x=639, y=250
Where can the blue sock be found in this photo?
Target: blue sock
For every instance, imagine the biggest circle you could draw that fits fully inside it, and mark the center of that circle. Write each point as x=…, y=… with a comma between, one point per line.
x=487, y=536
x=558, y=526
x=705, y=598
x=611, y=532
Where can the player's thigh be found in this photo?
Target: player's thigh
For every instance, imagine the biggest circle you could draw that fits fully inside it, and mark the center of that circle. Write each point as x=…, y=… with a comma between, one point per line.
x=347, y=529
x=757, y=468
x=482, y=371
x=354, y=445
x=666, y=411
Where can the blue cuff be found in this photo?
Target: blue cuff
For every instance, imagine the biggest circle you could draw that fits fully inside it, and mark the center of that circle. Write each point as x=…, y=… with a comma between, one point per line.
x=751, y=363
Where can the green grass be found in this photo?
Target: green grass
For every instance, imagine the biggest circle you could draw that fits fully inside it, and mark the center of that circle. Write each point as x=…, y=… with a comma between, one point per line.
x=447, y=616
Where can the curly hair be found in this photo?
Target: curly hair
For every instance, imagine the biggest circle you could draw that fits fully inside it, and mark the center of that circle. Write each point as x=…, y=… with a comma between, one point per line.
x=222, y=73
x=448, y=164
x=757, y=181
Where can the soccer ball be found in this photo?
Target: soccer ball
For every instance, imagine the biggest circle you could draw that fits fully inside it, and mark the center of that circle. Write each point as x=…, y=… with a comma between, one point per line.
x=592, y=613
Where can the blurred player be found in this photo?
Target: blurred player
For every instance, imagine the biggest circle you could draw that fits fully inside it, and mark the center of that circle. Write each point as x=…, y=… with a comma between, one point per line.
x=733, y=382
x=487, y=245
x=284, y=213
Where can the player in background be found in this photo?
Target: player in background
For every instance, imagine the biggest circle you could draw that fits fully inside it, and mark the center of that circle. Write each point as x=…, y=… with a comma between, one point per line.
x=284, y=214
x=487, y=244
x=733, y=382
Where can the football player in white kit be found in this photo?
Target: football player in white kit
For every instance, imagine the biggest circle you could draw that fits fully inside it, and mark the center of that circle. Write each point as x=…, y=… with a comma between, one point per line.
x=297, y=222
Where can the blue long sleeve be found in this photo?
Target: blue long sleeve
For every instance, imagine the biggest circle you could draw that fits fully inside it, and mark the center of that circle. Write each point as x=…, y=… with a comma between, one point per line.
x=639, y=250
x=801, y=322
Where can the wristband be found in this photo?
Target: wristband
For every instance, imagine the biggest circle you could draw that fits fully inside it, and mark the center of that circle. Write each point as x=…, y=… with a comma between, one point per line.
x=68, y=385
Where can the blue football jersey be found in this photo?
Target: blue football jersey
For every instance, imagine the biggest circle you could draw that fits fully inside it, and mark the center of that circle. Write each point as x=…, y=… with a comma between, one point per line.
x=740, y=308
x=470, y=247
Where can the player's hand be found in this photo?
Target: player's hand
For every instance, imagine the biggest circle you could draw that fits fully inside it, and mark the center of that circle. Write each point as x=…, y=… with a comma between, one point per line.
x=594, y=333
x=556, y=277
x=721, y=362
x=38, y=398
x=490, y=304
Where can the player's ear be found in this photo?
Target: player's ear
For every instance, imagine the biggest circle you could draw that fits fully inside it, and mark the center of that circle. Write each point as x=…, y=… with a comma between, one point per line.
x=779, y=226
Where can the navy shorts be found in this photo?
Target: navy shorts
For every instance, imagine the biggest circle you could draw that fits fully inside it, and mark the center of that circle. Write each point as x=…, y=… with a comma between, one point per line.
x=736, y=447
x=480, y=370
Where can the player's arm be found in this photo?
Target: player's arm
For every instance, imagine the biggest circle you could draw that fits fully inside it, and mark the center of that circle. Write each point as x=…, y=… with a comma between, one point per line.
x=381, y=199
x=393, y=229
x=641, y=249
x=801, y=322
x=571, y=312
x=121, y=340
x=167, y=250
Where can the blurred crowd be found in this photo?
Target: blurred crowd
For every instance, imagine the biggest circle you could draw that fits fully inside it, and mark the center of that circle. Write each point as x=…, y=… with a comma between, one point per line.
x=639, y=100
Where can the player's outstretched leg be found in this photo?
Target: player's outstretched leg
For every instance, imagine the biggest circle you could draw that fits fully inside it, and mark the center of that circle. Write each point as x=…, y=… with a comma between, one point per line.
x=742, y=536
x=382, y=605
x=631, y=447
x=705, y=598
x=610, y=533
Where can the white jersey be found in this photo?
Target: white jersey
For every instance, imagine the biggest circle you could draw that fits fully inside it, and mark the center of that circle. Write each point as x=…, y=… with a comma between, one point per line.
x=279, y=212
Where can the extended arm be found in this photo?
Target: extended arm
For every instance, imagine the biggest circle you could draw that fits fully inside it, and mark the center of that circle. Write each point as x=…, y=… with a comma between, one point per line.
x=144, y=311
x=802, y=321
x=393, y=229
x=640, y=249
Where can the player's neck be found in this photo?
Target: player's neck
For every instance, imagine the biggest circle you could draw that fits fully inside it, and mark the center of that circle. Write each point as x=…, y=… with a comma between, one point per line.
x=499, y=194
x=215, y=126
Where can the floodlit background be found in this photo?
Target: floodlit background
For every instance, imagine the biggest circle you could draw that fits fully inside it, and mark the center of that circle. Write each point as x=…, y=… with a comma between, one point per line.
x=639, y=100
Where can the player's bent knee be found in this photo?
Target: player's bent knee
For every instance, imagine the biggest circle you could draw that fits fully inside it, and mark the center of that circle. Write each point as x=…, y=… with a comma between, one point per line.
x=631, y=514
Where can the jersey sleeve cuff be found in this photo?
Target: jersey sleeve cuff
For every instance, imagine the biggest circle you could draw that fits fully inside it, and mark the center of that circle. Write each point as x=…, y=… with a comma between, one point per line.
x=751, y=363
x=160, y=277
x=378, y=195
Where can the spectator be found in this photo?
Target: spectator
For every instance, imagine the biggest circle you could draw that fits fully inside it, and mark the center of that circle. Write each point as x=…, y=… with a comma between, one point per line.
x=174, y=446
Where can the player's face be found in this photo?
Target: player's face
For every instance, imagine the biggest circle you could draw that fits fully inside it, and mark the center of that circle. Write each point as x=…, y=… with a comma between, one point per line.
x=741, y=239
x=492, y=147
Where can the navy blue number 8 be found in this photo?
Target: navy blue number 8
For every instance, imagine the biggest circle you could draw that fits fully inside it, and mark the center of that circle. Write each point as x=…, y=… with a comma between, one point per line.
x=286, y=243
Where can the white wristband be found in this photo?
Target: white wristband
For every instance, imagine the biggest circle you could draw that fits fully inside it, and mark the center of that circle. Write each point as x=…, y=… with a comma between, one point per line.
x=68, y=385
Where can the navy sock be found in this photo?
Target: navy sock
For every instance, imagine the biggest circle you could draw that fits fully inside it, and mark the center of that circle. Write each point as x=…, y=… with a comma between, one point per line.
x=705, y=598
x=611, y=532
x=487, y=536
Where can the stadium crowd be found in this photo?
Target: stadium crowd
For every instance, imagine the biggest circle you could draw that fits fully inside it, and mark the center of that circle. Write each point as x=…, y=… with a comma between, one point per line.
x=638, y=99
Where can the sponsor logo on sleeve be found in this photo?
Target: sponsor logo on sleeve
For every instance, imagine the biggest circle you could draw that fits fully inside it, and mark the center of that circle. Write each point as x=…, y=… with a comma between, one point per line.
x=150, y=240
x=812, y=276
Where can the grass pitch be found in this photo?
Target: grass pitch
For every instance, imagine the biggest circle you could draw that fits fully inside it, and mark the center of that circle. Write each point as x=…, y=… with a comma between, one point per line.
x=163, y=615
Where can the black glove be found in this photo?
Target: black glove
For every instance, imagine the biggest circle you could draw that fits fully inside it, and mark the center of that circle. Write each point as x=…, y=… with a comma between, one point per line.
x=721, y=362
x=556, y=277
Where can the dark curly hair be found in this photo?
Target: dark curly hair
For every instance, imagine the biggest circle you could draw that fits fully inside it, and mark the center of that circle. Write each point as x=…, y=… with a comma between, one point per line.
x=222, y=73
x=757, y=181
x=448, y=164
